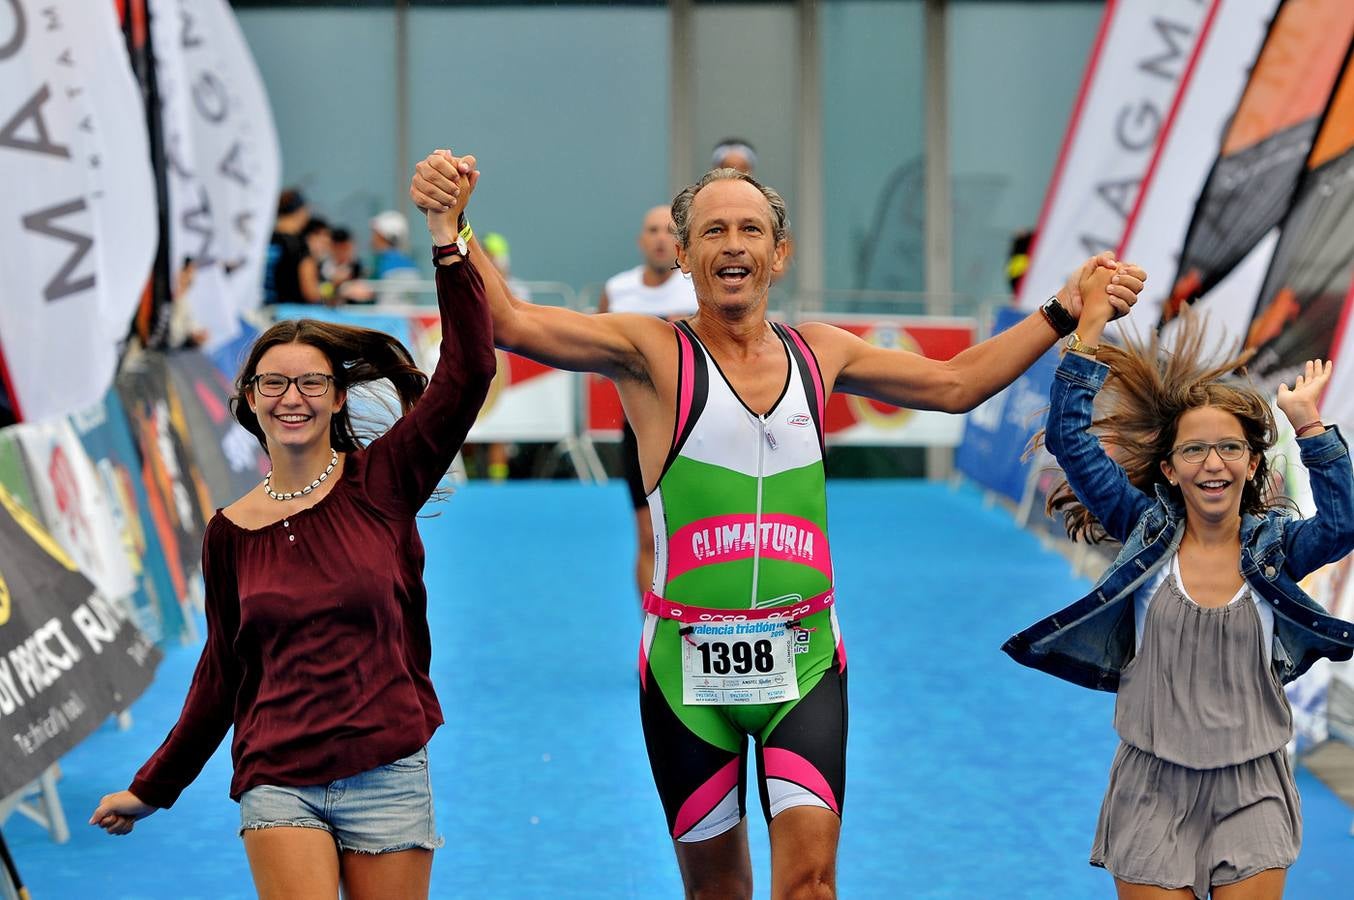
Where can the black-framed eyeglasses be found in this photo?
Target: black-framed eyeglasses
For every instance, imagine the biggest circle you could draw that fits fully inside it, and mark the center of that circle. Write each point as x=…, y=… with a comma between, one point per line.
x=311, y=384
x=1229, y=450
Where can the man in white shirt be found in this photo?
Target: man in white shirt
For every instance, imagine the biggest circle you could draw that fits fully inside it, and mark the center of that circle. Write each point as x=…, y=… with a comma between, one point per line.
x=658, y=288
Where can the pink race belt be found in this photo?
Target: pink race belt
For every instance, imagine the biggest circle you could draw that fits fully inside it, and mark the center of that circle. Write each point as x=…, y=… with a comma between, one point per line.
x=684, y=612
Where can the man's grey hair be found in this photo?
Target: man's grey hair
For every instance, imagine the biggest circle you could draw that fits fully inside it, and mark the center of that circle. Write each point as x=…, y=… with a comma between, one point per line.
x=681, y=204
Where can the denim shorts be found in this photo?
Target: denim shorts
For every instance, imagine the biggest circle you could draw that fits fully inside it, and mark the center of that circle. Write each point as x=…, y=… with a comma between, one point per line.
x=383, y=810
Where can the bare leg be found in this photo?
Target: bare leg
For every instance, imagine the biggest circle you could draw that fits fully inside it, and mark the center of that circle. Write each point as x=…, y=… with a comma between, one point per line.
x=1147, y=892
x=644, y=558
x=1267, y=885
x=293, y=863
x=717, y=869
x=804, y=854
x=375, y=876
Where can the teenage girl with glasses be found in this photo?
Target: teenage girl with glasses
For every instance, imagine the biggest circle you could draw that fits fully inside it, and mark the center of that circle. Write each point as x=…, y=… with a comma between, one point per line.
x=317, y=645
x=1199, y=621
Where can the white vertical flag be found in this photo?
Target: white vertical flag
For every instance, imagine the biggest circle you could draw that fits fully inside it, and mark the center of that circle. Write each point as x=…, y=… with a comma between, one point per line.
x=1134, y=73
x=1191, y=140
x=222, y=155
x=78, y=225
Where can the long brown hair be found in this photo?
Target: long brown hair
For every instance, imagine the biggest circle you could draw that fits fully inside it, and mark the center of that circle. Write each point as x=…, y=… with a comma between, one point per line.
x=1137, y=414
x=357, y=356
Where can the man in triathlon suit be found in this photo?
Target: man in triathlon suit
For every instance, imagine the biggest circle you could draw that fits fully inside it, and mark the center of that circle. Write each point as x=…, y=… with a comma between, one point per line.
x=653, y=288
x=740, y=637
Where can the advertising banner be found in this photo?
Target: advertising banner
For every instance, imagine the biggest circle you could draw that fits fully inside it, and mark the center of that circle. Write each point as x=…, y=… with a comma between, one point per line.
x=998, y=431
x=223, y=158
x=104, y=432
x=856, y=421
x=1135, y=71
x=230, y=459
x=69, y=657
x=1192, y=133
x=1264, y=148
x=73, y=505
x=176, y=492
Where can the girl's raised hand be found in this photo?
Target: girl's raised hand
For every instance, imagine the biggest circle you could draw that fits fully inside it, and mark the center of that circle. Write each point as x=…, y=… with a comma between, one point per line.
x=1299, y=403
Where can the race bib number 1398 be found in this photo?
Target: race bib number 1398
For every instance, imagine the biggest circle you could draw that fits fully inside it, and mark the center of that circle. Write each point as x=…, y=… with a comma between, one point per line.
x=738, y=663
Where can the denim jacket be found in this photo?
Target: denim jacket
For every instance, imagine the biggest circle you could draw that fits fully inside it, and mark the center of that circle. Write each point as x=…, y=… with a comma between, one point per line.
x=1089, y=642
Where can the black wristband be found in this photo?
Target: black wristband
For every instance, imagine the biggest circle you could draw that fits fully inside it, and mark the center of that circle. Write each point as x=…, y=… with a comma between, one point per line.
x=445, y=251
x=1058, y=318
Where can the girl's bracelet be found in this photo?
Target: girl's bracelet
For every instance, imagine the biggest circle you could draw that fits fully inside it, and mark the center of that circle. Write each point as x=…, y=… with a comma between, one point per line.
x=1308, y=427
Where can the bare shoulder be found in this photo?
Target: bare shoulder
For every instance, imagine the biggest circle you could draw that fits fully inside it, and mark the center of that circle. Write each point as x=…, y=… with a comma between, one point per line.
x=832, y=346
x=821, y=332
x=652, y=336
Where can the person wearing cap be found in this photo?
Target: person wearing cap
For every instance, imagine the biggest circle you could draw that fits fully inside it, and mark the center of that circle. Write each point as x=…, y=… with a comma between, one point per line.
x=498, y=454
x=290, y=273
x=390, y=243
x=390, y=246
x=343, y=272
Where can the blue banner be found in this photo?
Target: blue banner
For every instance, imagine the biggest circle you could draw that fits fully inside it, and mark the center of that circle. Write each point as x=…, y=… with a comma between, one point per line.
x=997, y=432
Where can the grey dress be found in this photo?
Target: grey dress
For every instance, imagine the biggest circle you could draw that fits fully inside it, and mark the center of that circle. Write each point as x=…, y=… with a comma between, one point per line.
x=1201, y=791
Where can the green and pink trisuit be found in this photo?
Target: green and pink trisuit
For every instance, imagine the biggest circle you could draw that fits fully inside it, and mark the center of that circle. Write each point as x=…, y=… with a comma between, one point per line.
x=740, y=636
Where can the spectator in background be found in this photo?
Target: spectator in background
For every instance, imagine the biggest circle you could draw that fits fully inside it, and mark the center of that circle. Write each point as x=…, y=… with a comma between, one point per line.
x=290, y=273
x=655, y=287
x=390, y=245
x=184, y=332
x=318, y=238
x=738, y=154
x=496, y=245
x=341, y=271
x=1018, y=263
x=498, y=454
x=734, y=153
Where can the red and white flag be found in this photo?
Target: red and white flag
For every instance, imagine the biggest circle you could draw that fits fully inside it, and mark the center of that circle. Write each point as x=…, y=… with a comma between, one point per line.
x=1139, y=61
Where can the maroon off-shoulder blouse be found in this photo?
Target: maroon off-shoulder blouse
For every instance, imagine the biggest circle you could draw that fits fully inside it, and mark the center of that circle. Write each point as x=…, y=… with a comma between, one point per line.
x=317, y=634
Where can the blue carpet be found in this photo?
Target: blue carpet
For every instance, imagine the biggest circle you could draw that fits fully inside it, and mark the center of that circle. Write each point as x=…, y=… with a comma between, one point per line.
x=969, y=776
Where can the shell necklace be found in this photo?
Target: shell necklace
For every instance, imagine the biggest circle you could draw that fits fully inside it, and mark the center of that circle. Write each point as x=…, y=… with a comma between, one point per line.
x=291, y=495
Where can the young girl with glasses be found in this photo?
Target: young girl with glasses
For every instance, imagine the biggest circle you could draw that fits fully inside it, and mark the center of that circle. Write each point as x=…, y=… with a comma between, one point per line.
x=1199, y=621
x=317, y=646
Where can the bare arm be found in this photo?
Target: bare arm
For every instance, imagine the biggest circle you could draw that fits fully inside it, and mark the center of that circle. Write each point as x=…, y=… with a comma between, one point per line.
x=308, y=277
x=563, y=338
x=961, y=383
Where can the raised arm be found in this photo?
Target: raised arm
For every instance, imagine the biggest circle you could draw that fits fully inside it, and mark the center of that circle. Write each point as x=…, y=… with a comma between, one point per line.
x=563, y=338
x=1328, y=535
x=961, y=383
x=404, y=466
